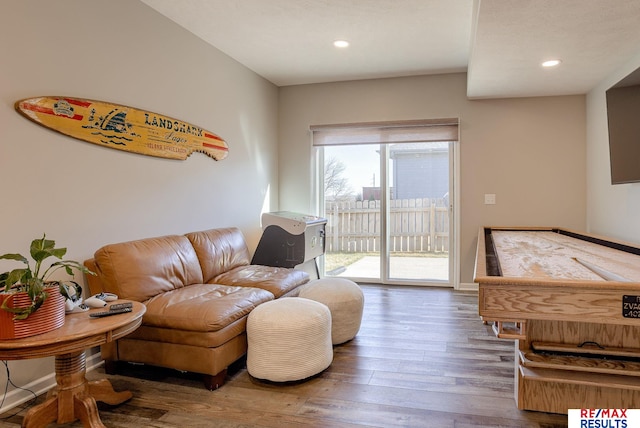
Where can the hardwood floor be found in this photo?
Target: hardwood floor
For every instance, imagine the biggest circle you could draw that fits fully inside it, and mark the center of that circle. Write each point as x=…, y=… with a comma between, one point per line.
x=422, y=358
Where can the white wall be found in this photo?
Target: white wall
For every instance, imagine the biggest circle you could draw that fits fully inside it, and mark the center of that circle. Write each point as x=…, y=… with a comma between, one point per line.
x=85, y=196
x=530, y=152
x=612, y=211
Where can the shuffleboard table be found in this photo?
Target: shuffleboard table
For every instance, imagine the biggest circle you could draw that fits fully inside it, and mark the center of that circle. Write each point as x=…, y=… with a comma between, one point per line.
x=571, y=301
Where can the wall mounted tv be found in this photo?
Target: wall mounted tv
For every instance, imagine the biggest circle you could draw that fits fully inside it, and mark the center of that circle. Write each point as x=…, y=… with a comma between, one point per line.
x=623, y=116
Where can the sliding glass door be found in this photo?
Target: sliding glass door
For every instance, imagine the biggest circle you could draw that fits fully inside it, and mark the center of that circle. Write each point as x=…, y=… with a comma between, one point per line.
x=388, y=209
x=353, y=208
x=419, y=212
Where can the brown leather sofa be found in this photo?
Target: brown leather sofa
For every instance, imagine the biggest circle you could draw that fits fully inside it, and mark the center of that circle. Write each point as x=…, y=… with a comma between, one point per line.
x=198, y=289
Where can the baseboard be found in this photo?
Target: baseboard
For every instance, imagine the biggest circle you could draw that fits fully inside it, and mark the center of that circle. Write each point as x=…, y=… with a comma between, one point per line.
x=40, y=386
x=468, y=286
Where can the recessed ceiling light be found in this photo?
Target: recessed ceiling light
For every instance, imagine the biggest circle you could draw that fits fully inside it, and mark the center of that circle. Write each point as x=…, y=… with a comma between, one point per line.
x=341, y=43
x=551, y=63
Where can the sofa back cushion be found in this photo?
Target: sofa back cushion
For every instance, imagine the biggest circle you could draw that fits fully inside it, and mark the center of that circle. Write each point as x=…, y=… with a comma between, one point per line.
x=219, y=250
x=139, y=270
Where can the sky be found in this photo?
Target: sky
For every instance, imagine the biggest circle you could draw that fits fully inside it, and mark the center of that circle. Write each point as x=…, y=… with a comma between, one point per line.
x=362, y=162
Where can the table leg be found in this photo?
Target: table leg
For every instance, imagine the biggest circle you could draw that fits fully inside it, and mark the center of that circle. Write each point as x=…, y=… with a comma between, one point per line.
x=102, y=390
x=86, y=410
x=74, y=397
x=42, y=414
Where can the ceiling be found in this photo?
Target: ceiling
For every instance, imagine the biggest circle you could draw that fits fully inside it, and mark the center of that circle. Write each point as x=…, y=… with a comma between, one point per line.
x=499, y=43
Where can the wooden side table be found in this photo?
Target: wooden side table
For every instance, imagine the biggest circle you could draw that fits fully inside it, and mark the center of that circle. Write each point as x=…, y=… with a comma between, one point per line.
x=74, y=397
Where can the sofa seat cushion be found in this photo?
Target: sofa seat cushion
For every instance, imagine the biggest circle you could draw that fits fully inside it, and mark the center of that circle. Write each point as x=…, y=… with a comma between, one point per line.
x=277, y=281
x=202, y=307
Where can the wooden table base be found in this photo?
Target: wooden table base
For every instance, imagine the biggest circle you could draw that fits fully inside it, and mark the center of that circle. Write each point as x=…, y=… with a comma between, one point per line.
x=74, y=397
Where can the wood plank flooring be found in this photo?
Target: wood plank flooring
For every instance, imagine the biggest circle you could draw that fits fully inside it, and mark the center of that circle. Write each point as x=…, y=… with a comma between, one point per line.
x=422, y=358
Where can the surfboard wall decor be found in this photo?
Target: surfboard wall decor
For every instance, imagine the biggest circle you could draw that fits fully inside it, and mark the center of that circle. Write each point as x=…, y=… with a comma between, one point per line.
x=123, y=128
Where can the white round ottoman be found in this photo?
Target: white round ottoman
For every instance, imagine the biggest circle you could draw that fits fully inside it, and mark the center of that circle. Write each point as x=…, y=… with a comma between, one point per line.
x=345, y=301
x=288, y=339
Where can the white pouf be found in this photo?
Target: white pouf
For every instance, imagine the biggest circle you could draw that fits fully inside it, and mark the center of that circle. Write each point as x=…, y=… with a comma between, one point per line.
x=289, y=339
x=345, y=301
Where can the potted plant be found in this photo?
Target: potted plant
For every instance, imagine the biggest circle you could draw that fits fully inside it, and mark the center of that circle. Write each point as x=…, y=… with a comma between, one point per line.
x=28, y=291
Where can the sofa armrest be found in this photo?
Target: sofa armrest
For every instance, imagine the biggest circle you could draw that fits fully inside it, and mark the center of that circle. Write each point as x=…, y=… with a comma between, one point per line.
x=93, y=281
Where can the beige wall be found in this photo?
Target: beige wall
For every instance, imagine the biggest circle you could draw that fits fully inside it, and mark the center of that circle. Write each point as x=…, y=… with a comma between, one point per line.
x=612, y=211
x=85, y=196
x=530, y=152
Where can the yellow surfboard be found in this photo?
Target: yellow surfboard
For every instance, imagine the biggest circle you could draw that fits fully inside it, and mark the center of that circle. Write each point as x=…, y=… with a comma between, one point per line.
x=123, y=128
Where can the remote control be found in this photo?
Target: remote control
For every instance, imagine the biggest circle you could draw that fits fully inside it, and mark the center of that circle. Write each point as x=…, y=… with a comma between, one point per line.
x=109, y=313
x=117, y=306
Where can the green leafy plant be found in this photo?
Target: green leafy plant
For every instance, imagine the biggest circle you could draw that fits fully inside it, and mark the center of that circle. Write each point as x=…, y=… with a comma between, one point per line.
x=34, y=281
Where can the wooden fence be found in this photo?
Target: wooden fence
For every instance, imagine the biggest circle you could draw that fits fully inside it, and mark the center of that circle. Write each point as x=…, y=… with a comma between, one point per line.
x=416, y=226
